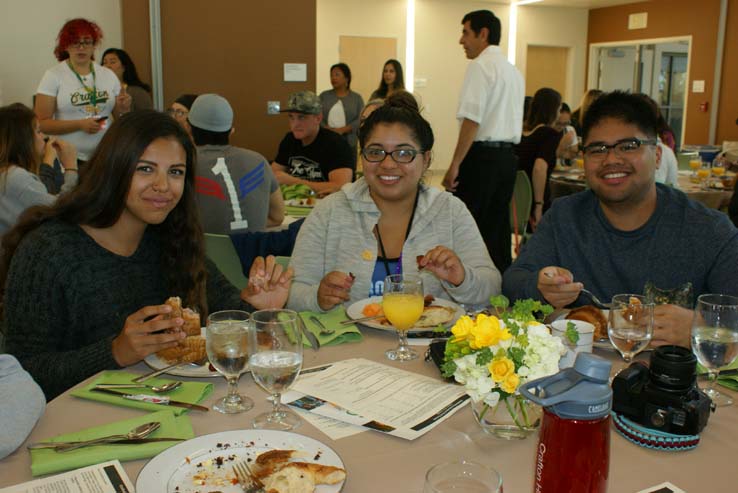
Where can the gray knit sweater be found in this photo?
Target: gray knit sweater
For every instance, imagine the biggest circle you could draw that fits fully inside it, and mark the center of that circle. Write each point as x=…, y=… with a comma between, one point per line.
x=338, y=235
x=67, y=298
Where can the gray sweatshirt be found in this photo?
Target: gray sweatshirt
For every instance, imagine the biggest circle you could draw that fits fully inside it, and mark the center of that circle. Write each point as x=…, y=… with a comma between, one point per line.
x=338, y=235
x=22, y=405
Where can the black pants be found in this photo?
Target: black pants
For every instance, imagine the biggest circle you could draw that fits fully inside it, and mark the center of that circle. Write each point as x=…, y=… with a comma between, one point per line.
x=486, y=181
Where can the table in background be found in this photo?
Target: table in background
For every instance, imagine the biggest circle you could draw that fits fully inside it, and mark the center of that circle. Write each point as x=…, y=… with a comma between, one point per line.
x=570, y=181
x=375, y=462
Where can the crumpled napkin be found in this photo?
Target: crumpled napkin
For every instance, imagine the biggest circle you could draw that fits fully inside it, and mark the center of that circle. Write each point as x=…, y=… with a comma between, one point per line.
x=191, y=392
x=47, y=461
x=331, y=319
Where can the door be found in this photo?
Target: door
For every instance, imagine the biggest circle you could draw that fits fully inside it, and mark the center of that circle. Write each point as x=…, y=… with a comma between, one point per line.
x=365, y=56
x=546, y=66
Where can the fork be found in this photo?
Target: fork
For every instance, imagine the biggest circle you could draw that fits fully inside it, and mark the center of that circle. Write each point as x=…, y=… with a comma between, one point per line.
x=596, y=299
x=323, y=329
x=246, y=479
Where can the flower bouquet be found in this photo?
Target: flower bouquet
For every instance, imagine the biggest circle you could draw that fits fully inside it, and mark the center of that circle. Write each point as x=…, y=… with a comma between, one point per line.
x=492, y=355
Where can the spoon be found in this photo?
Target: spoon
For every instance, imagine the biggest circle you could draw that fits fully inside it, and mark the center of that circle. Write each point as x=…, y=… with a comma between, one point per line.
x=159, y=389
x=141, y=431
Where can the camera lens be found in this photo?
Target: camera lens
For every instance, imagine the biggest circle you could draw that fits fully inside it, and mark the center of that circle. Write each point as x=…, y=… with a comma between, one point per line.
x=673, y=369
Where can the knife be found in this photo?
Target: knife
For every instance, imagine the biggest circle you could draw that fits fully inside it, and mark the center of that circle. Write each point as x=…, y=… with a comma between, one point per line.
x=152, y=399
x=723, y=373
x=125, y=441
x=309, y=335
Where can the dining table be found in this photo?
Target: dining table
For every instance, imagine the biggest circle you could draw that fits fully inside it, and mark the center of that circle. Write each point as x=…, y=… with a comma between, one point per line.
x=567, y=181
x=376, y=462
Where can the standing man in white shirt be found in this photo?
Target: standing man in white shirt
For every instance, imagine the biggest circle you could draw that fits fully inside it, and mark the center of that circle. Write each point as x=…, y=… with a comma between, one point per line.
x=483, y=167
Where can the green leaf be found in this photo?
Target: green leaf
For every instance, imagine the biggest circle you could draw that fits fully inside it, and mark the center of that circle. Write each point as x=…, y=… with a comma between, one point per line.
x=571, y=333
x=448, y=369
x=517, y=354
x=484, y=356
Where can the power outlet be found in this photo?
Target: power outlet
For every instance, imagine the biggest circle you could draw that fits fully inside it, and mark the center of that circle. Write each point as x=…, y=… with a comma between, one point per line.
x=272, y=107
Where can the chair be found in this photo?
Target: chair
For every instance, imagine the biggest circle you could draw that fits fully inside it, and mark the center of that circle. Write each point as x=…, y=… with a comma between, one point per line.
x=220, y=250
x=520, y=208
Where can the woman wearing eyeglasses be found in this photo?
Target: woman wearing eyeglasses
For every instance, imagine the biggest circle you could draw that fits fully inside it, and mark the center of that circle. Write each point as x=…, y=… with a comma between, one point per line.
x=77, y=97
x=389, y=222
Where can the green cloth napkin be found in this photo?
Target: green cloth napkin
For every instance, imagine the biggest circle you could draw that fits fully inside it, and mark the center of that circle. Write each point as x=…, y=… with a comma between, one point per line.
x=331, y=319
x=729, y=381
x=47, y=461
x=296, y=211
x=191, y=392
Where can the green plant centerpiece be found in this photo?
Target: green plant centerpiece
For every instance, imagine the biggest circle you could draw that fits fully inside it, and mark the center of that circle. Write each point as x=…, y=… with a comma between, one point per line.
x=491, y=355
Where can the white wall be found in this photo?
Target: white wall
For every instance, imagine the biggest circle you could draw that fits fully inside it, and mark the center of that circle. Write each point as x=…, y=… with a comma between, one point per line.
x=28, y=30
x=440, y=61
x=560, y=27
x=375, y=18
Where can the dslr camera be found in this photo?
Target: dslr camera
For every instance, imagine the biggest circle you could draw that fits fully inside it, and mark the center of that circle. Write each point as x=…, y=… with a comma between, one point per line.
x=663, y=396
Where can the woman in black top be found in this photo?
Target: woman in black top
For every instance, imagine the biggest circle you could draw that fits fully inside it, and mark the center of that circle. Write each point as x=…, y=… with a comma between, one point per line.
x=83, y=282
x=537, y=148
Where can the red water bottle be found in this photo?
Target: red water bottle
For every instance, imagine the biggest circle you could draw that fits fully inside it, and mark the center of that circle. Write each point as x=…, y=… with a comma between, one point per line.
x=573, y=453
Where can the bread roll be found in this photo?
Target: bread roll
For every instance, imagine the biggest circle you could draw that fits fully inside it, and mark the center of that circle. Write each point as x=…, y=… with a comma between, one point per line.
x=593, y=315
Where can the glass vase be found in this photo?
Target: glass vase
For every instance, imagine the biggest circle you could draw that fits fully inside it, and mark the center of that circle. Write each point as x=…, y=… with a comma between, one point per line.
x=513, y=418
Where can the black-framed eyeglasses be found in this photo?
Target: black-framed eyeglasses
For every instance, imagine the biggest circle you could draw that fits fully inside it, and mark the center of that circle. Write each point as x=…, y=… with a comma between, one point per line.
x=177, y=112
x=622, y=148
x=400, y=156
x=83, y=43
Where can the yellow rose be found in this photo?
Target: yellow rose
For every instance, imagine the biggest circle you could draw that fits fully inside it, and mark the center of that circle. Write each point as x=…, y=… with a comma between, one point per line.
x=487, y=332
x=500, y=368
x=511, y=383
x=462, y=328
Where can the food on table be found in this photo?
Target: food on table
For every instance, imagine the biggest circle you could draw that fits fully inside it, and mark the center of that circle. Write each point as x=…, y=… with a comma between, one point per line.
x=281, y=475
x=190, y=350
x=432, y=316
x=633, y=311
x=593, y=315
x=298, y=194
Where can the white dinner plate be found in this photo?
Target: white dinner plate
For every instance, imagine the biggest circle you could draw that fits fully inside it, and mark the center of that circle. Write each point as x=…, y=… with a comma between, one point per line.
x=355, y=311
x=304, y=202
x=188, y=370
x=173, y=470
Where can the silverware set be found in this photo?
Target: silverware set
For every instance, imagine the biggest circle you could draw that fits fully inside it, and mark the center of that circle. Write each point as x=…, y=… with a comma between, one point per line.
x=139, y=434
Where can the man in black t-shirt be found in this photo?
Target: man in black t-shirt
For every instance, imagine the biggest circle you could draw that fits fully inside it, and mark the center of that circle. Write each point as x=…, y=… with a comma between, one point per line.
x=310, y=154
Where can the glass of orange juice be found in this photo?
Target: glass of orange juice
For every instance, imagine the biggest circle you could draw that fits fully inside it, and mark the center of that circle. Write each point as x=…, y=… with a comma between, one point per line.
x=695, y=164
x=402, y=303
x=703, y=175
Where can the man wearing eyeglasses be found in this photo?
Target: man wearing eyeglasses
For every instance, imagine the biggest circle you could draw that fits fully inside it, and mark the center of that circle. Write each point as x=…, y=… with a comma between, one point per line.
x=310, y=154
x=626, y=230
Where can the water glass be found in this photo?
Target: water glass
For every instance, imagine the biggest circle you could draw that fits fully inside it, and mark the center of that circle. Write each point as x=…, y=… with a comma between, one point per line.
x=227, y=345
x=630, y=327
x=466, y=476
x=715, y=338
x=402, y=304
x=276, y=360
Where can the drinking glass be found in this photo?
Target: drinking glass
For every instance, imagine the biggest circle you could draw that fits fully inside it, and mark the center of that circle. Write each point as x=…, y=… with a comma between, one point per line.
x=694, y=165
x=466, y=476
x=402, y=303
x=630, y=327
x=275, y=362
x=715, y=338
x=703, y=175
x=227, y=345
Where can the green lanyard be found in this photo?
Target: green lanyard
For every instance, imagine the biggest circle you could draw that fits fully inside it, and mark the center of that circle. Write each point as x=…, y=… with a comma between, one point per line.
x=92, y=91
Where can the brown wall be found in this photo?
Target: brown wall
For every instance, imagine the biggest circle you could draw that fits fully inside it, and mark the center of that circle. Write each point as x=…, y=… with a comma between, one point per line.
x=235, y=48
x=667, y=18
x=728, y=112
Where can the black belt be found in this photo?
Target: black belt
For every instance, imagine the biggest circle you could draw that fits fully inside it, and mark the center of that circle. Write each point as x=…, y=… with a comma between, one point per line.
x=494, y=144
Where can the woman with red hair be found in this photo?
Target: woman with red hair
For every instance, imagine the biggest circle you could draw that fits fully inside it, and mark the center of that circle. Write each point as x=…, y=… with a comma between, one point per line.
x=76, y=97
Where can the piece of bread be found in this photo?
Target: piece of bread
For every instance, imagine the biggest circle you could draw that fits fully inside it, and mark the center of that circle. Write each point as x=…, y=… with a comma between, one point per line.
x=191, y=349
x=593, y=315
x=435, y=315
x=191, y=318
x=279, y=475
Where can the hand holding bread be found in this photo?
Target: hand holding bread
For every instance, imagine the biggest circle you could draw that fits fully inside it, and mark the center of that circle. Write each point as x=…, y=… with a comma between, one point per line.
x=145, y=332
x=269, y=284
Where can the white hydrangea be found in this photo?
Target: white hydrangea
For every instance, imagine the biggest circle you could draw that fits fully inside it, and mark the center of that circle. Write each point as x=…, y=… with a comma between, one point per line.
x=543, y=353
x=492, y=399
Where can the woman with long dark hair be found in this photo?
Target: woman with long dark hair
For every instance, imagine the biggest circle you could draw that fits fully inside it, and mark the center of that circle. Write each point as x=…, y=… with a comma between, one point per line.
x=84, y=281
x=342, y=106
x=123, y=67
x=24, y=153
x=76, y=97
x=537, y=148
x=392, y=80
x=396, y=223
